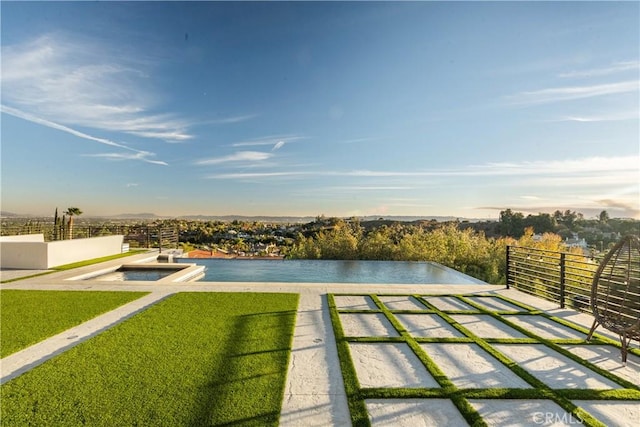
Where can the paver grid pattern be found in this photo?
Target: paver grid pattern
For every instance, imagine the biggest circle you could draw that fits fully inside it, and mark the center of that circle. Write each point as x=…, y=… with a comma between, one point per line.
x=458, y=360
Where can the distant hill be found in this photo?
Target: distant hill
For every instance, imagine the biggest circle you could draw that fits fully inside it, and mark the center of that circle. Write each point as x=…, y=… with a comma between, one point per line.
x=414, y=218
x=303, y=219
x=144, y=215
x=287, y=219
x=248, y=218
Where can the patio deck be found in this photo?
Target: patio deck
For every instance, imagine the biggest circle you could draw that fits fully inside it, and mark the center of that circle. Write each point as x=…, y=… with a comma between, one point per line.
x=467, y=333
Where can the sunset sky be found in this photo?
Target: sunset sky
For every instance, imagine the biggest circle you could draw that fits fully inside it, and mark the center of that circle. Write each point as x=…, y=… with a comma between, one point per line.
x=308, y=108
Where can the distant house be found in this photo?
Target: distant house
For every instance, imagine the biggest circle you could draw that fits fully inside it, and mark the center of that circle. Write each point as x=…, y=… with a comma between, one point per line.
x=576, y=242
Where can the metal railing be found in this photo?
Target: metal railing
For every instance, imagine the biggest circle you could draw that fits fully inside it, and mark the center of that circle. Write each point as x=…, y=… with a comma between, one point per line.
x=138, y=236
x=561, y=277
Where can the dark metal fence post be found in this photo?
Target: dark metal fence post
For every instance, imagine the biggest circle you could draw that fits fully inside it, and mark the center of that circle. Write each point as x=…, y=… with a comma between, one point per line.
x=562, y=279
x=508, y=270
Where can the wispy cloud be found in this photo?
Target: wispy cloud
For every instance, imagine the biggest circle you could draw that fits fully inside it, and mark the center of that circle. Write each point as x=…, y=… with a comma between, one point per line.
x=137, y=154
x=369, y=188
x=560, y=167
x=250, y=175
x=627, y=165
x=530, y=197
x=618, y=67
x=30, y=117
x=85, y=83
x=234, y=119
x=141, y=156
x=278, y=145
x=570, y=93
x=240, y=156
x=633, y=210
x=277, y=140
x=629, y=115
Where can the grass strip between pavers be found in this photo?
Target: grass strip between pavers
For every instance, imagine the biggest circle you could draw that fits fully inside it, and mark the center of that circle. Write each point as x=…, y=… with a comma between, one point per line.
x=460, y=397
x=194, y=358
x=30, y=316
x=355, y=401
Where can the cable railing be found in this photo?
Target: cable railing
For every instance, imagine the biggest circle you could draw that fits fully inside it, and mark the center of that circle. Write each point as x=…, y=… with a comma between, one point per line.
x=561, y=277
x=137, y=236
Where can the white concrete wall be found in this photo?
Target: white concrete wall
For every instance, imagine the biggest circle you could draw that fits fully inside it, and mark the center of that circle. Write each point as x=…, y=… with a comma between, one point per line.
x=42, y=255
x=67, y=251
x=27, y=255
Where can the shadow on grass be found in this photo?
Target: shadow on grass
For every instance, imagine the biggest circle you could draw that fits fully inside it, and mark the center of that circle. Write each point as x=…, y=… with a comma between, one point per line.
x=247, y=384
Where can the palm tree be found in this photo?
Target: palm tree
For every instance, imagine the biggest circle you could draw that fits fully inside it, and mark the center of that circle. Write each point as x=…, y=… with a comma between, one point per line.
x=72, y=212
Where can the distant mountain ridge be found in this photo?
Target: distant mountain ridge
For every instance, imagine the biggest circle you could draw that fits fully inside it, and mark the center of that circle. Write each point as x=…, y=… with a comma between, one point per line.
x=257, y=218
x=4, y=214
x=144, y=215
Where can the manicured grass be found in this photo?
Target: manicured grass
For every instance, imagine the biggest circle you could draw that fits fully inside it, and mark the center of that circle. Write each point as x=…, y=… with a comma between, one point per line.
x=193, y=359
x=27, y=317
x=97, y=260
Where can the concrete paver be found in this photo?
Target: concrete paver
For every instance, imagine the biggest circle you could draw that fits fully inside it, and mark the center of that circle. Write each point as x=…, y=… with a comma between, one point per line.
x=554, y=369
x=485, y=326
x=545, y=328
x=367, y=325
x=401, y=303
x=427, y=326
x=389, y=365
x=449, y=303
x=607, y=357
x=523, y=413
x=314, y=393
x=413, y=413
x=612, y=413
x=468, y=366
x=495, y=304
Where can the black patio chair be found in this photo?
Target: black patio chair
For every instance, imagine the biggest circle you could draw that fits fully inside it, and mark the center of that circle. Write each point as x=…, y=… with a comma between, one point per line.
x=615, y=293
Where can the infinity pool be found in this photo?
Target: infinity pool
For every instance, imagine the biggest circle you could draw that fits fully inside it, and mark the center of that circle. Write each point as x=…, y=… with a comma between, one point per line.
x=327, y=271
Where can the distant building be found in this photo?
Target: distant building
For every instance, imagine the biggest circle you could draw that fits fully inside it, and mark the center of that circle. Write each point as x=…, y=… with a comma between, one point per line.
x=576, y=242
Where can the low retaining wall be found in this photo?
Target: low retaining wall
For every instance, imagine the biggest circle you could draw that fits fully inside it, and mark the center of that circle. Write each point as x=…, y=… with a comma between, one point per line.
x=32, y=252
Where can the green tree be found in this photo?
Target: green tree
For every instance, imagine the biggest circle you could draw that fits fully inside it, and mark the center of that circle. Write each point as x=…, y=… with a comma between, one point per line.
x=378, y=245
x=340, y=242
x=55, y=225
x=541, y=223
x=603, y=217
x=511, y=223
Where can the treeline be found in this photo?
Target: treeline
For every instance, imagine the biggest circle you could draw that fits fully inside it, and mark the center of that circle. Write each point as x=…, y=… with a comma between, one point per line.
x=465, y=250
x=567, y=224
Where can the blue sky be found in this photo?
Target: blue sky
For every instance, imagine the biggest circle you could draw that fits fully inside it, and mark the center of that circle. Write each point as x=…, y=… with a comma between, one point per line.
x=308, y=108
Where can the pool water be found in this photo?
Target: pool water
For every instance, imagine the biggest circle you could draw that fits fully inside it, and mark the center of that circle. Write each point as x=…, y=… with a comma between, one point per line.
x=146, y=274
x=328, y=271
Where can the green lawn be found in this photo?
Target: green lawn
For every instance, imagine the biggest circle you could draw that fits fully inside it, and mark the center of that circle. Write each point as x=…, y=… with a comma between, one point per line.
x=27, y=317
x=193, y=359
